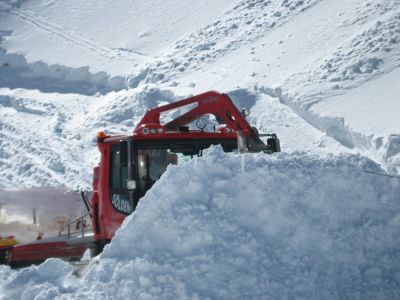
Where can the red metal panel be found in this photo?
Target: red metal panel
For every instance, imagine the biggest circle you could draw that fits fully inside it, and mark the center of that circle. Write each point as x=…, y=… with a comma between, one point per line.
x=42, y=251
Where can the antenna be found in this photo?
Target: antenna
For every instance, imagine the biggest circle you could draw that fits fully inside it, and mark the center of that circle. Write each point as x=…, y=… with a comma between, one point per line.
x=381, y=174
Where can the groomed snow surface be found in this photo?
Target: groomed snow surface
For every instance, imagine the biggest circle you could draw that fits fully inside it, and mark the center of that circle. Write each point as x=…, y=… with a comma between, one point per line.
x=286, y=226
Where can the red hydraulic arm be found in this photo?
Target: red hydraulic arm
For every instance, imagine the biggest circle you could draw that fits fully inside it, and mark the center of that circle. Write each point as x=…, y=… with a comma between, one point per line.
x=211, y=102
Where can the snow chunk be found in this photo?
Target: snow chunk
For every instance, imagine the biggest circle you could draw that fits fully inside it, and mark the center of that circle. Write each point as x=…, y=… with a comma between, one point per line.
x=45, y=281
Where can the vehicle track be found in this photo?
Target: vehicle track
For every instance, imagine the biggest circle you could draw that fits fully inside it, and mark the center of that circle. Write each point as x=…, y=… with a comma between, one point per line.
x=54, y=29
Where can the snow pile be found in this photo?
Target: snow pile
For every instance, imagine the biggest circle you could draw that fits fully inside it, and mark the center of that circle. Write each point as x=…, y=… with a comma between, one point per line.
x=43, y=282
x=251, y=226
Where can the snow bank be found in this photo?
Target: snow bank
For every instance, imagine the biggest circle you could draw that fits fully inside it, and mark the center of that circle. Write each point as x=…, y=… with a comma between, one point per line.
x=16, y=72
x=287, y=226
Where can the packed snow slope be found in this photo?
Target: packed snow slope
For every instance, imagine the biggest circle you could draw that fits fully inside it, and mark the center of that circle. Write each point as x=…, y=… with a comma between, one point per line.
x=286, y=226
x=321, y=74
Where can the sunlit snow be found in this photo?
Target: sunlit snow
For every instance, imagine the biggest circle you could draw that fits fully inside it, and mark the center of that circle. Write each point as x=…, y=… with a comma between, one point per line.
x=307, y=223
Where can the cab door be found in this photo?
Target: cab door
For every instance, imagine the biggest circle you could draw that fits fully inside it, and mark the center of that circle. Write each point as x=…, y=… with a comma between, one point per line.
x=122, y=170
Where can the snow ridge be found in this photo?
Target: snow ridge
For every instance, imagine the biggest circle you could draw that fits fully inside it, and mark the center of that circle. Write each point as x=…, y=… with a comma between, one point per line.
x=382, y=149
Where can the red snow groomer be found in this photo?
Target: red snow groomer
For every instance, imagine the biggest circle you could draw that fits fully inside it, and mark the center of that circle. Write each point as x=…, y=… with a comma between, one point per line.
x=131, y=163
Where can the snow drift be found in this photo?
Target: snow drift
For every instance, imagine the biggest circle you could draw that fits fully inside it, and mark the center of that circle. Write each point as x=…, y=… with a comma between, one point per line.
x=287, y=226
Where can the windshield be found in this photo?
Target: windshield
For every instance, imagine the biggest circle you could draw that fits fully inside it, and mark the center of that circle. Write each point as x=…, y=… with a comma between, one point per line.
x=146, y=161
x=152, y=163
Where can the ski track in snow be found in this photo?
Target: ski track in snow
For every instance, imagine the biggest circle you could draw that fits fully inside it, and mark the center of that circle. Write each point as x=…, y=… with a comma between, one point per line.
x=44, y=160
x=54, y=29
x=247, y=22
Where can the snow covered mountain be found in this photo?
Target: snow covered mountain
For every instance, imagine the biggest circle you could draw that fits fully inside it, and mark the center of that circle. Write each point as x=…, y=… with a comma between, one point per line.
x=320, y=74
x=324, y=75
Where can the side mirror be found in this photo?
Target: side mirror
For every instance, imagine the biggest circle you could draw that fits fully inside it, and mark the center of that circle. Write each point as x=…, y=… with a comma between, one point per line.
x=245, y=112
x=131, y=185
